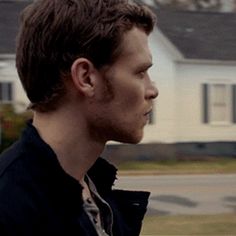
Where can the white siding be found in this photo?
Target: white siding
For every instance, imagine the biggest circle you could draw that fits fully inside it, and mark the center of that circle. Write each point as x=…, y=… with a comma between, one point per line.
x=179, y=106
x=8, y=73
x=163, y=73
x=189, y=124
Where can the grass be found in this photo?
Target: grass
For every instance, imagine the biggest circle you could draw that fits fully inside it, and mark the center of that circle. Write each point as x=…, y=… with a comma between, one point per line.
x=217, y=225
x=210, y=166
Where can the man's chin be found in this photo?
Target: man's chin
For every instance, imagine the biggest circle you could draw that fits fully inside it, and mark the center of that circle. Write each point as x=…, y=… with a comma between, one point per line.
x=130, y=139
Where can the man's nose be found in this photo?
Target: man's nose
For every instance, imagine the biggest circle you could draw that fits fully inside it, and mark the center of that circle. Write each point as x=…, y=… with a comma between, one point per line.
x=152, y=90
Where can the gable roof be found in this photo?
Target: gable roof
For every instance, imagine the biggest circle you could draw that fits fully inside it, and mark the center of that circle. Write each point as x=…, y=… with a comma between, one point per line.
x=200, y=35
x=9, y=23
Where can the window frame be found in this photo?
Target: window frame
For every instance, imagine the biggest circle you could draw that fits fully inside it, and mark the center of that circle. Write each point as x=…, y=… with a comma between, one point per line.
x=207, y=90
x=6, y=91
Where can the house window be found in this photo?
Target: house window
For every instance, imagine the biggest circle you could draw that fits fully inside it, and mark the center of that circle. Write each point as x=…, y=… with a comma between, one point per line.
x=5, y=91
x=219, y=103
x=152, y=115
x=151, y=118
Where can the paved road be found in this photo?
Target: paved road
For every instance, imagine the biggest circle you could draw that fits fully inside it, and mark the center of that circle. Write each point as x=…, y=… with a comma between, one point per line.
x=185, y=194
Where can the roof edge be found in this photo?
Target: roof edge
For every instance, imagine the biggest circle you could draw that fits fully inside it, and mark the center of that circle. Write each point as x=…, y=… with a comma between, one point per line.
x=173, y=50
x=206, y=61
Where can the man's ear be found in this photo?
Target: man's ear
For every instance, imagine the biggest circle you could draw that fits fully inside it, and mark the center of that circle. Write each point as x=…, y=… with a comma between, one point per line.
x=83, y=76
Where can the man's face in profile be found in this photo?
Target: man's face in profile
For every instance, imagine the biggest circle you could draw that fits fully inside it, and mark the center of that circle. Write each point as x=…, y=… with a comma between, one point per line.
x=126, y=102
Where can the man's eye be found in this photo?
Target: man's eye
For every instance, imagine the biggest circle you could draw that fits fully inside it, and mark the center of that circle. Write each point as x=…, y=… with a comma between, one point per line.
x=142, y=74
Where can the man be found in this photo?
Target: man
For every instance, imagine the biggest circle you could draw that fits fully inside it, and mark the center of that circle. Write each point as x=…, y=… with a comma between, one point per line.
x=83, y=65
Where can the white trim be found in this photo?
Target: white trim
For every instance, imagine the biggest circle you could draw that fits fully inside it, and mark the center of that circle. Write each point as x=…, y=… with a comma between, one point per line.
x=3, y=64
x=171, y=48
x=7, y=56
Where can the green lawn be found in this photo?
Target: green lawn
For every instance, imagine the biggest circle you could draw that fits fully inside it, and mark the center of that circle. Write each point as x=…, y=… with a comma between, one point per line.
x=212, y=166
x=215, y=225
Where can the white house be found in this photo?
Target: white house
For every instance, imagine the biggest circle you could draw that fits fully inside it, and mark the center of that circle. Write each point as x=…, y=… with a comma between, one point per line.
x=194, y=56
x=10, y=86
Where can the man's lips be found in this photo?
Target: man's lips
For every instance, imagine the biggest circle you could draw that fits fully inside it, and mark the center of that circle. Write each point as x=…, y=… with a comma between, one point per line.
x=148, y=112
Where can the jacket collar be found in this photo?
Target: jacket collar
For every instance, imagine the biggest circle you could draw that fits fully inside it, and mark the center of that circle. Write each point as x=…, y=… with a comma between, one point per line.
x=102, y=173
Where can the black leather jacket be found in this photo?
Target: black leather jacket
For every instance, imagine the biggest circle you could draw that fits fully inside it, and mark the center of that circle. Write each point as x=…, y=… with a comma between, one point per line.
x=37, y=197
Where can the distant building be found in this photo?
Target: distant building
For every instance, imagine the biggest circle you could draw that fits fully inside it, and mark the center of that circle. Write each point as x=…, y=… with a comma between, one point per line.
x=10, y=88
x=195, y=58
x=194, y=55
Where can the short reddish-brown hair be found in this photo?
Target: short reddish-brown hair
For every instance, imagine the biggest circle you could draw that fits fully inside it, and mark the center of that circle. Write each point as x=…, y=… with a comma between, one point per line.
x=54, y=33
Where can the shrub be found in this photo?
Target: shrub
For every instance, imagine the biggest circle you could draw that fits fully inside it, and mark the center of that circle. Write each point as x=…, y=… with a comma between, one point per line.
x=11, y=124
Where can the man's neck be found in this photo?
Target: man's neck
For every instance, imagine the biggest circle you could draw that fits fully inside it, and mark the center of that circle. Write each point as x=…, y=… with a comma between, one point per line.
x=75, y=149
